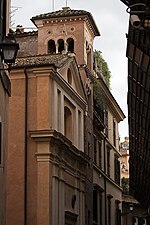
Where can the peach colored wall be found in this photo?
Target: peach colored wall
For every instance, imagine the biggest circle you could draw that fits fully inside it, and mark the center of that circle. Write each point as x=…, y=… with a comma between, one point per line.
x=39, y=169
x=38, y=118
x=15, y=171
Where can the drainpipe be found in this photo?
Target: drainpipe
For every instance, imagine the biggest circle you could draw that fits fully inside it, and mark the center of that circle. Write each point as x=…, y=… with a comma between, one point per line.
x=105, y=191
x=25, y=146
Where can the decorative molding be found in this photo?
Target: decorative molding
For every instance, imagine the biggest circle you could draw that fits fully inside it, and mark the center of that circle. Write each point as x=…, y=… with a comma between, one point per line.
x=70, y=218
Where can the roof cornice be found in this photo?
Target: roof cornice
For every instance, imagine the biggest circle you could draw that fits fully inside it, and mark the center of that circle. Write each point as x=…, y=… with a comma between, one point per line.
x=68, y=13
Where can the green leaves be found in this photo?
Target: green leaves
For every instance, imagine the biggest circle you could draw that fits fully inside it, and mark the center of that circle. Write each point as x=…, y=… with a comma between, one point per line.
x=102, y=67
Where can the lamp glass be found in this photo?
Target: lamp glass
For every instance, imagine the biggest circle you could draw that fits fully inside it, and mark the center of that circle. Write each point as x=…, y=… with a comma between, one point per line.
x=9, y=49
x=8, y=55
x=131, y=207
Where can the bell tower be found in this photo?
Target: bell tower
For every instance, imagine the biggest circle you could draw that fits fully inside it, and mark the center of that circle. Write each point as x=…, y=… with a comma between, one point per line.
x=67, y=31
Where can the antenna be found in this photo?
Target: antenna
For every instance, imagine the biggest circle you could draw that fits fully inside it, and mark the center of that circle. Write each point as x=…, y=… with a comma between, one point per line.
x=53, y=5
x=13, y=9
x=66, y=3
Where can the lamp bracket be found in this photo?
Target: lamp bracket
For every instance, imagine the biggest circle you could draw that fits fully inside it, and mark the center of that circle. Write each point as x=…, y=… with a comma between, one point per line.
x=146, y=9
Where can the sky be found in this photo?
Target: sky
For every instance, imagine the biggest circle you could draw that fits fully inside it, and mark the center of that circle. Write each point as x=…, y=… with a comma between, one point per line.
x=112, y=21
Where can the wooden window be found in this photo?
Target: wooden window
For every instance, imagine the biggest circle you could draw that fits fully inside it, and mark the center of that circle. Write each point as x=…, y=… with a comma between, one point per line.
x=106, y=123
x=114, y=133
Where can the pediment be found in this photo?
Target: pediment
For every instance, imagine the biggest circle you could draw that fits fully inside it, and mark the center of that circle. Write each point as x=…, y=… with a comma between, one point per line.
x=71, y=75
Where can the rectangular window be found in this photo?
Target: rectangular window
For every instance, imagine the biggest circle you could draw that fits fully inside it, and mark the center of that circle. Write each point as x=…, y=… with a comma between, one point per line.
x=79, y=129
x=59, y=110
x=117, y=170
x=108, y=162
x=95, y=208
x=106, y=123
x=114, y=133
x=118, y=213
x=101, y=208
x=0, y=142
x=109, y=209
x=95, y=150
x=100, y=153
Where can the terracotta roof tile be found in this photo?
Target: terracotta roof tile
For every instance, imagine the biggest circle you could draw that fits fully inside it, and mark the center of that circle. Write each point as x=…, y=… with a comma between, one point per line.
x=67, y=12
x=57, y=60
x=61, y=13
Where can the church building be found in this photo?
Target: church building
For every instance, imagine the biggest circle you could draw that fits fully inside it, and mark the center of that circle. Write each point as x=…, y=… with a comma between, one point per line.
x=53, y=174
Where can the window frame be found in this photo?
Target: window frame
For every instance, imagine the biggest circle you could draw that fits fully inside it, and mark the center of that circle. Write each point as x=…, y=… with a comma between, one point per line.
x=114, y=133
x=109, y=208
x=106, y=123
x=108, y=161
x=117, y=175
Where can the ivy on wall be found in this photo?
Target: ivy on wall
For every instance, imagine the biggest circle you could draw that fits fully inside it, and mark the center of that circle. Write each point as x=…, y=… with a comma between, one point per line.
x=101, y=67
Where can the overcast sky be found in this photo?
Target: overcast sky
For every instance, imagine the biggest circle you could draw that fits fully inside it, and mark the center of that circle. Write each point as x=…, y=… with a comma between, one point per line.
x=112, y=21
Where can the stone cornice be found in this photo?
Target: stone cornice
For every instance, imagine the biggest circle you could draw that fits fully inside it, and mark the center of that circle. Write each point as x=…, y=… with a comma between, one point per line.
x=55, y=137
x=65, y=15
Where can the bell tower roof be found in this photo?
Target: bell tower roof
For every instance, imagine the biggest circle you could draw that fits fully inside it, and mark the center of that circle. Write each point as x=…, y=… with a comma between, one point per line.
x=67, y=12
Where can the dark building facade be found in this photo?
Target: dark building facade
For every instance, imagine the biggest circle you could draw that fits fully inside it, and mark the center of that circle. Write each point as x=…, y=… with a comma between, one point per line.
x=138, y=53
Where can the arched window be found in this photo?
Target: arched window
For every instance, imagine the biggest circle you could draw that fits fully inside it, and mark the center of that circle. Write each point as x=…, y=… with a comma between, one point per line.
x=67, y=123
x=70, y=42
x=60, y=45
x=51, y=47
x=69, y=76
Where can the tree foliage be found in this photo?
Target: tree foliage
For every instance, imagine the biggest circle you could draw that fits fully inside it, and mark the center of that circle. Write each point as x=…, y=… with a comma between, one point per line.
x=102, y=67
x=98, y=94
x=125, y=185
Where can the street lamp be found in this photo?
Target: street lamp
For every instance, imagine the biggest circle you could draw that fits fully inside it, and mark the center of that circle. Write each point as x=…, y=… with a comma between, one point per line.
x=131, y=207
x=8, y=51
